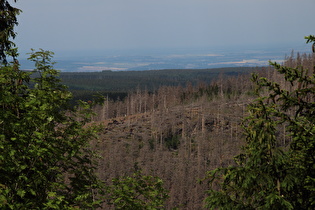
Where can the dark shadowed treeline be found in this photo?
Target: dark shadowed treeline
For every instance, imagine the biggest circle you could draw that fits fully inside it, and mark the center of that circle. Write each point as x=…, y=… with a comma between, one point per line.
x=116, y=84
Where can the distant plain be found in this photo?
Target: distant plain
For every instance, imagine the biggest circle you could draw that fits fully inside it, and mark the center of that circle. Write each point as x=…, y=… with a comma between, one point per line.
x=139, y=60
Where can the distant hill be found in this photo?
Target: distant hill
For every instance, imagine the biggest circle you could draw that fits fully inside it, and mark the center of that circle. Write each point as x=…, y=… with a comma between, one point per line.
x=117, y=84
x=150, y=80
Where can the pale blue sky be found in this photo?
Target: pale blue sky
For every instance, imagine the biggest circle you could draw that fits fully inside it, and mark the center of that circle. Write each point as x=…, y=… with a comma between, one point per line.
x=60, y=25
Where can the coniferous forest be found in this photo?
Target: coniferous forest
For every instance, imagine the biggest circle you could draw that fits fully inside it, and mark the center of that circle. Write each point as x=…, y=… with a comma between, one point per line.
x=233, y=138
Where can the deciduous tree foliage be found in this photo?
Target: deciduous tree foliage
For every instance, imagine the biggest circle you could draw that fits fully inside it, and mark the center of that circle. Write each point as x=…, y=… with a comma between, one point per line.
x=267, y=174
x=45, y=157
x=8, y=19
x=137, y=192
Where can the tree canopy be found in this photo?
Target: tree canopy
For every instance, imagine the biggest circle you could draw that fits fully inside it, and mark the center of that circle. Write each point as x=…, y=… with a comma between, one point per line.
x=45, y=157
x=269, y=174
x=8, y=20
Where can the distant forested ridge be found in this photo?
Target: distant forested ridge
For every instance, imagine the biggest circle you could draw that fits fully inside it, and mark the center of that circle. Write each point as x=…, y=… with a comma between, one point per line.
x=116, y=84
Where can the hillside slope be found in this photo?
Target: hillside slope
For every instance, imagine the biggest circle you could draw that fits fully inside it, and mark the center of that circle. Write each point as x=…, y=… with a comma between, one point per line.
x=178, y=134
x=178, y=144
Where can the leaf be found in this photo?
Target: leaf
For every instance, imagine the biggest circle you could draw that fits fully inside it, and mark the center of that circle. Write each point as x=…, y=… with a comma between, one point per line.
x=21, y=193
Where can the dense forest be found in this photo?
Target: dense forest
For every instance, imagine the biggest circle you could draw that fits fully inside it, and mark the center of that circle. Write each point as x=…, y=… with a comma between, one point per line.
x=117, y=84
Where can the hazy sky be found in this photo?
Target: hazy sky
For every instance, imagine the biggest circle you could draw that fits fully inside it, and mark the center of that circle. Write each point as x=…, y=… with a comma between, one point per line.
x=59, y=25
